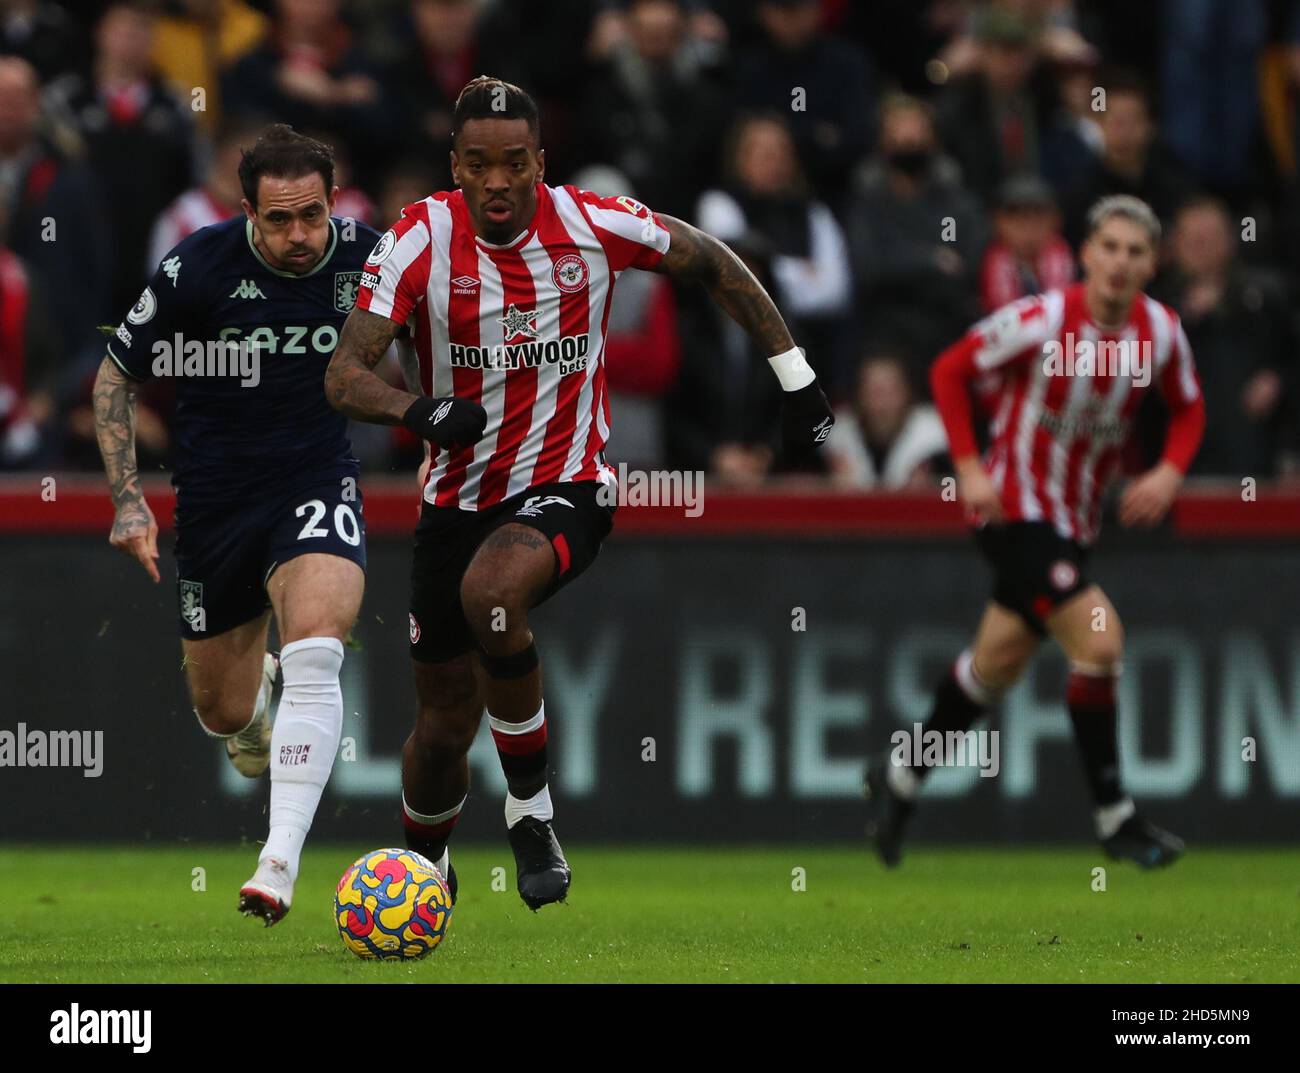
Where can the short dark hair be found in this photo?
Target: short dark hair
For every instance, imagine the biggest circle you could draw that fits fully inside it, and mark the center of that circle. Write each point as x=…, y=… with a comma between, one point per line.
x=490, y=98
x=283, y=152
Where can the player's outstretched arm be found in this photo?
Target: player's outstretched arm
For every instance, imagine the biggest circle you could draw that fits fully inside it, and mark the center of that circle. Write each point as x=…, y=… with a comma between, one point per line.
x=696, y=257
x=134, y=529
x=353, y=388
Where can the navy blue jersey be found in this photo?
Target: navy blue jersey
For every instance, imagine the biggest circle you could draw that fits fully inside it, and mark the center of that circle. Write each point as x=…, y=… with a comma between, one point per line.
x=248, y=345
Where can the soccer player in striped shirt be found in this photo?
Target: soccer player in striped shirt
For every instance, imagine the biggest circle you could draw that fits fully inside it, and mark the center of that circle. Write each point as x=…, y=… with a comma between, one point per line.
x=508, y=282
x=1064, y=373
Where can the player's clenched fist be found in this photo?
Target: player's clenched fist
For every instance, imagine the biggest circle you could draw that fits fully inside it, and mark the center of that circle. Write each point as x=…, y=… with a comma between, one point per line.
x=447, y=422
x=806, y=419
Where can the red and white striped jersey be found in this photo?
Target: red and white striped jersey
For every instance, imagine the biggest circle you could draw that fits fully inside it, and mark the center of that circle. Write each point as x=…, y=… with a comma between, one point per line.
x=518, y=328
x=1063, y=393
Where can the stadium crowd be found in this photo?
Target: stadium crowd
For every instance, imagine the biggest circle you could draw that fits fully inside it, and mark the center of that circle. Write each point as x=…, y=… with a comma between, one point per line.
x=890, y=169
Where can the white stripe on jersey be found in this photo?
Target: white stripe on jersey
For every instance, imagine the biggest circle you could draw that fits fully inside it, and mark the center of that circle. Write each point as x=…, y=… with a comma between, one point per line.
x=439, y=293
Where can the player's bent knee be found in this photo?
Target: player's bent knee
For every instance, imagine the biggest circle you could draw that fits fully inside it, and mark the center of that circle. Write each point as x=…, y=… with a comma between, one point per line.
x=493, y=607
x=219, y=716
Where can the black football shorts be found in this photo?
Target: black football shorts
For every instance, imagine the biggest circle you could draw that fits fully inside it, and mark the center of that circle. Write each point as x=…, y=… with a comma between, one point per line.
x=1035, y=569
x=570, y=515
x=225, y=553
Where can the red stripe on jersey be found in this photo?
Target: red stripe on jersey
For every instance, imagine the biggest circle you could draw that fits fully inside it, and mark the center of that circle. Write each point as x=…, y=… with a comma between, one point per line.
x=575, y=319
x=519, y=290
x=462, y=325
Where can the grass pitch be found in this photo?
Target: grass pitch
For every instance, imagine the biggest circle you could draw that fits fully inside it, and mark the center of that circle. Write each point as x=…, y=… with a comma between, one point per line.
x=129, y=914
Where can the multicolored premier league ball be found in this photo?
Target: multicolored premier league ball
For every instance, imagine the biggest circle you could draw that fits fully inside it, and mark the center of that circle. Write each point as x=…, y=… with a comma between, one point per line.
x=392, y=904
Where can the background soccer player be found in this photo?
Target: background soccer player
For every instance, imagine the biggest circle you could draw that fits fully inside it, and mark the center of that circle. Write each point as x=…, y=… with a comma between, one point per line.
x=268, y=513
x=509, y=281
x=1057, y=433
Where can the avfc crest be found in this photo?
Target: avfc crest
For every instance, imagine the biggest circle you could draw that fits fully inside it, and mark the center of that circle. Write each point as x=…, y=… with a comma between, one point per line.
x=346, y=285
x=192, y=613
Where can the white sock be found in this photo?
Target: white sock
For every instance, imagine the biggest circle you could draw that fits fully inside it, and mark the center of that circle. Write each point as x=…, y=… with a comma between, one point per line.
x=903, y=781
x=308, y=725
x=1109, y=818
x=442, y=863
x=538, y=806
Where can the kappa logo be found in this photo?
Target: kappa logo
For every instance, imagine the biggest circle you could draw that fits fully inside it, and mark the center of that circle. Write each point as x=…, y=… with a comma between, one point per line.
x=172, y=269
x=247, y=288
x=534, y=505
x=346, y=286
x=465, y=285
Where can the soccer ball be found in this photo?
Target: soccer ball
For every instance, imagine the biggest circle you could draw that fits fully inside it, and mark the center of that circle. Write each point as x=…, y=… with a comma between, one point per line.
x=392, y=904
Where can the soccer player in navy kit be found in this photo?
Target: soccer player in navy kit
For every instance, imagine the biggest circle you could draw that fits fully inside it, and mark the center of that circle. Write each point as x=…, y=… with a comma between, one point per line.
x=246, y=314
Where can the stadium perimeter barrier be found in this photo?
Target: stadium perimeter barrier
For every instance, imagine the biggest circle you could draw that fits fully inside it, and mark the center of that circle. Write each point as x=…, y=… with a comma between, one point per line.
x=719, y=677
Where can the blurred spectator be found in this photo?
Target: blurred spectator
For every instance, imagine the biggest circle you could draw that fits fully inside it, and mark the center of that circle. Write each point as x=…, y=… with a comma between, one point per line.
x=310, y=74
x=1027, y=254
x=217, y=198
x=831, y=117
x=51, y=215
x=915, y=237
x=723, y=412
x=27, y=365
x=1211, y=80
x=643, y=348
x=1242, y=334
x=767, y=201
x=138, y=140
x=1132, y=161
x=443, y=46
x=44, y=35
x=1072, y=140
x=653, y=112
x=885, y=439
x=196, y=40
x=991, y=119
x=407, y=182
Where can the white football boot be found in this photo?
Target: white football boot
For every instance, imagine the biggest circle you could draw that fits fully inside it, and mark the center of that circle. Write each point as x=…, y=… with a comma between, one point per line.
x=250, y=749
x=269, y=893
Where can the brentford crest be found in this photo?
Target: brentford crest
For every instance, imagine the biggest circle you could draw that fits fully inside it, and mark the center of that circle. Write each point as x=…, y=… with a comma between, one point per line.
x=570, y=273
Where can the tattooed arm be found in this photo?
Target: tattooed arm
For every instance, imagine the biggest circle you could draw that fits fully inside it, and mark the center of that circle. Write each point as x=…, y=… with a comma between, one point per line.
x=353, y=388
x=351, y=384
x=134, y=529
x=695, y=257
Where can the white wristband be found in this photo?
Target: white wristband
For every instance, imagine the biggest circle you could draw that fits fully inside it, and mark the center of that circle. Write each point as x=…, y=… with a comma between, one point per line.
x=792, y=370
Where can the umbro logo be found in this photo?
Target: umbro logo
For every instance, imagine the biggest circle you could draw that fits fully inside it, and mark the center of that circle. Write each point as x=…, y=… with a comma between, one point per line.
x=247, y=289
x=822, y=429
x=441, y=412
x=465, y=285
